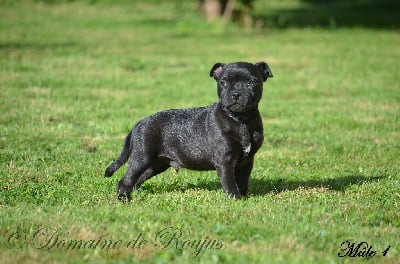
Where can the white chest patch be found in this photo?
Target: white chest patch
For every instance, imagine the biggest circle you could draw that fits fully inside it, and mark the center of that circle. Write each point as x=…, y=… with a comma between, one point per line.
x=247, y=149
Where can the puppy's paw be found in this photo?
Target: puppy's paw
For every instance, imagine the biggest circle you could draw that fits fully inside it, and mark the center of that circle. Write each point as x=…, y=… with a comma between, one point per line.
x=124, y=197
x=234, y=195
x=124, y=192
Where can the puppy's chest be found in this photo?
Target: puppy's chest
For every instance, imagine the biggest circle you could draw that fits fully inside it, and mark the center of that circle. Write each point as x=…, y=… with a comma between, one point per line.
x=248, y=137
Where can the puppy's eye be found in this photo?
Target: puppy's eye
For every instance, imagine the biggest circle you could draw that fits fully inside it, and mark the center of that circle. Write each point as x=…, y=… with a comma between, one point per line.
x=222, y=83
x=253, y=82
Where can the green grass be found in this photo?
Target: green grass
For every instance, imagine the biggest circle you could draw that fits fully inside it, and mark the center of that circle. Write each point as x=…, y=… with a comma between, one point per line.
x=75, y=77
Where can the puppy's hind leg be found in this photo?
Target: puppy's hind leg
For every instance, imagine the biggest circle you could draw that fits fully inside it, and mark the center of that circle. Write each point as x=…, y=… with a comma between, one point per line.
x=126, y=184
x=139, y=170
x=156, y=168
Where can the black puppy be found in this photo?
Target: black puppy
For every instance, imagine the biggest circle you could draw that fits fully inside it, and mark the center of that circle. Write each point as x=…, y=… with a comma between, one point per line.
x=223, y=136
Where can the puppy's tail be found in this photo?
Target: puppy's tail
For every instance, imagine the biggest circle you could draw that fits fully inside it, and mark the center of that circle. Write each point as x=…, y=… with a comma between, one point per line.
x=123, y=157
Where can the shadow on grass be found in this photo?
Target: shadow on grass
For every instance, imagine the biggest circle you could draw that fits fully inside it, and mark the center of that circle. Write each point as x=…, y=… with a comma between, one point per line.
x=336, y=14
x=261, y=187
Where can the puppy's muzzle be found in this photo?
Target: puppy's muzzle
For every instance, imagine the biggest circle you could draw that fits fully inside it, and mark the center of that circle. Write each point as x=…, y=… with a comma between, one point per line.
x=236, y=96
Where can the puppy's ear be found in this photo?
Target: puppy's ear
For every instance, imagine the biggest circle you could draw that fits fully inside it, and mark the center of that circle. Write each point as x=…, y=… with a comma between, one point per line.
x=216, y=70
x=264, y=70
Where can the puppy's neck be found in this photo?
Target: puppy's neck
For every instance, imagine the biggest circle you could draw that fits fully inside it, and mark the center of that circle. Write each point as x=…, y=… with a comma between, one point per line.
x=243, y=117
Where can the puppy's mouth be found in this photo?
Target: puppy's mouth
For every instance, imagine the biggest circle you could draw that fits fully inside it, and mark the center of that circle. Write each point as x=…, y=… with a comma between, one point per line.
x=237, y=107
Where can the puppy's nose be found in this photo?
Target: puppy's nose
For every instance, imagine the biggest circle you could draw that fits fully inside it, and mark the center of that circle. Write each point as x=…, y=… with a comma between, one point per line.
x=235, y=96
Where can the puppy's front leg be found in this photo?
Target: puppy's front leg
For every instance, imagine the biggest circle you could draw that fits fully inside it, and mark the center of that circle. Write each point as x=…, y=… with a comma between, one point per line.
x=242, y=175
x=226, y=175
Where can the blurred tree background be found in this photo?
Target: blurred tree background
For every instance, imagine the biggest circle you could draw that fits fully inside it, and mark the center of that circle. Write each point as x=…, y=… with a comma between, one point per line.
x=281, y=14
x=285, y=13
x=237, y=10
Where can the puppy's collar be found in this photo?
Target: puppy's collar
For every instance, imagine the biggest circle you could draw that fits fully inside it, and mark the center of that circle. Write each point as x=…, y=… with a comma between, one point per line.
x=229, y=113
x=239, y=117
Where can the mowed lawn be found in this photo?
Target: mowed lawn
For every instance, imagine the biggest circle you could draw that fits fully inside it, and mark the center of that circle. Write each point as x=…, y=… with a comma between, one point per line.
x=75, y=77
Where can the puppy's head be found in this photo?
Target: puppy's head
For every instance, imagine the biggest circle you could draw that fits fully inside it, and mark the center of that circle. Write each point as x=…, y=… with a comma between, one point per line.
x=240, y=84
